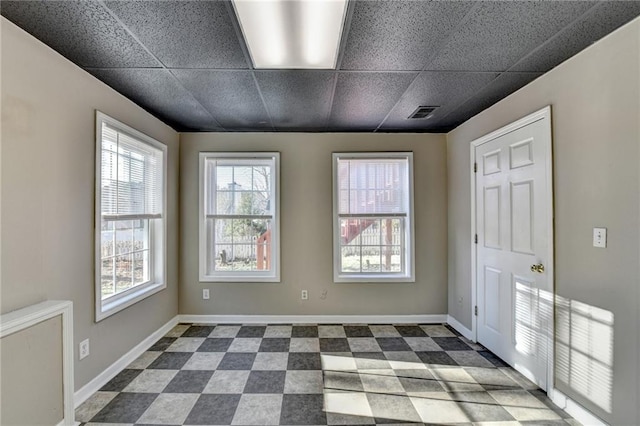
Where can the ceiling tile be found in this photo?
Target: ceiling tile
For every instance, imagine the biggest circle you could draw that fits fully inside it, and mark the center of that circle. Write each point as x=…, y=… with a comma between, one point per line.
x=500, y=33
x=230, y=96
x=498, y=89
x=395, y=35
x=299, y=99
x=184, y=34
x=363, y=99
x=599, y=22
x=446, y=90
x=83, y=32
x=158, y=91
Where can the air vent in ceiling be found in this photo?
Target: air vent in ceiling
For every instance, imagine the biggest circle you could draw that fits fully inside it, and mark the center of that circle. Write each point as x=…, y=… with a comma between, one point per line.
x=422, y=112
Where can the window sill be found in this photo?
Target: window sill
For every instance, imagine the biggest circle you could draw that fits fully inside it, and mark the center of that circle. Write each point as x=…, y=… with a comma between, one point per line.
x=108, y=307
x=238, y=279
x=391, y=279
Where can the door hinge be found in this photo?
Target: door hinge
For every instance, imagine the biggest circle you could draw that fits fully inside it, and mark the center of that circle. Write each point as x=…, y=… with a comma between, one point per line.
x=475, y=167
x=475, y=311
x=475, y=239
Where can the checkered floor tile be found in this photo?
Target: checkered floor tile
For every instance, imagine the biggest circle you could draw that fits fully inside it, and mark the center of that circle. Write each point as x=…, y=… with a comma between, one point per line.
x=318, y=375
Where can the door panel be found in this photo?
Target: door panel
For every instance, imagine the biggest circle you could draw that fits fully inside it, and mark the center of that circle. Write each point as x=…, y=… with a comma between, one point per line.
x=524, y=306
x=521, y=154
x=492, y=296
x=522, y=224
x=513, y=226
x=491, y=162
x=492, y=217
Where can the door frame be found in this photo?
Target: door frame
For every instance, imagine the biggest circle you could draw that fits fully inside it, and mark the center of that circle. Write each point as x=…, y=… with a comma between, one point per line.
x=545, y=115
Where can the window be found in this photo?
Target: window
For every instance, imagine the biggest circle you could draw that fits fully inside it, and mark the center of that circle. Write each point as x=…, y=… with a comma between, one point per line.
x=130, y=216
x=239, y=217
x=373, y=217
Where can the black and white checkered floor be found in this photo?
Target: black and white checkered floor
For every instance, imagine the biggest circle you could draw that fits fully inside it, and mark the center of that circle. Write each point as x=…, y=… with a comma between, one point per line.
x=318, y=375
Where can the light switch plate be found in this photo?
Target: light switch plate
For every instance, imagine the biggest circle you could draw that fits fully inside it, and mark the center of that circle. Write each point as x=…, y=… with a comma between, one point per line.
x=600, y=237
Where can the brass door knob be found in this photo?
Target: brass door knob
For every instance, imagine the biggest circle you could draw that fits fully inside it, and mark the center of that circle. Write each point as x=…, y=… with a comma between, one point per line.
x=539, y=268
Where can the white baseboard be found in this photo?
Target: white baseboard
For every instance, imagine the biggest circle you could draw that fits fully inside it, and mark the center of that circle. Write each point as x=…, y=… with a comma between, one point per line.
x=110, y=372
x=561, y=400
x=314, y=319
x=62, y=423
x=576, y=410
x=457, y=325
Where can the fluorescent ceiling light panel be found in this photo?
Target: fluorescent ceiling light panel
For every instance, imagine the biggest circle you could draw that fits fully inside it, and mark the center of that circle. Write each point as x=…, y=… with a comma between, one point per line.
x=292, y=33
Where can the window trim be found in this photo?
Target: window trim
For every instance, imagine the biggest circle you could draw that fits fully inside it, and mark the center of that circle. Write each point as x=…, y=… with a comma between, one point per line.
x=239, y=276
x=157, y=239
x=409, y=258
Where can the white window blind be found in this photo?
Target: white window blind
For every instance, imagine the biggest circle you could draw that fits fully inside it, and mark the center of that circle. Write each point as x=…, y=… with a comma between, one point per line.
x=131, y=177
x=373, y=187
x=242, y=187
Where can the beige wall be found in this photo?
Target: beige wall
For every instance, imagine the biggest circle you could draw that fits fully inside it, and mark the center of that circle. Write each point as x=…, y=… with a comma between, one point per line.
x=306, y=229
x=48, y=151
x=595, y=99
x=37, y=377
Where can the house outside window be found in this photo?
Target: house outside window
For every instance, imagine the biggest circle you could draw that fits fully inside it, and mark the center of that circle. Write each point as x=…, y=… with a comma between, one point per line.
x=130, y=216
x=239, y=217
x=373, y=217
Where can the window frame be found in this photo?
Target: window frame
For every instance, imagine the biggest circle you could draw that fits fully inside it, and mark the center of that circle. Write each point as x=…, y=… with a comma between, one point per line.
x=408, y=255
x=157, y=229
x=272, y=276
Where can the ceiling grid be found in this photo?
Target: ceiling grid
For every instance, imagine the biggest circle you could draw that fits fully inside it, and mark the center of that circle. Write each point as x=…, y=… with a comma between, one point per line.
x=435, y=51
x=187, y=63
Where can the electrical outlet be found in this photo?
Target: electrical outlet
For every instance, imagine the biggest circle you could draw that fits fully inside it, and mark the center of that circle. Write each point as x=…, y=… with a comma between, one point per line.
x=323, y=296
x=304, y=295
x=460, y=300
x=600, y=237
x=205, y=293
x=84, y=349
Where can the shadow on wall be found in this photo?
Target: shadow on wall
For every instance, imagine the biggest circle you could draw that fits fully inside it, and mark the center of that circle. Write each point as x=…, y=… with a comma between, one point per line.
x=584, y=350
x=583, y=346
x=533, y=310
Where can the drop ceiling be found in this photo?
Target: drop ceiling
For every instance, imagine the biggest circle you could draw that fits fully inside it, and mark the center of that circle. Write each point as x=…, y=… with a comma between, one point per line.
x=186, y=61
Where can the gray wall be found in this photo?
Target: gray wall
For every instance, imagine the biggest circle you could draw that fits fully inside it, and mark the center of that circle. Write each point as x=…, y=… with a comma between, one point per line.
x=48, y=151
x=595, y=99
x=306, y=229
x=37, y=377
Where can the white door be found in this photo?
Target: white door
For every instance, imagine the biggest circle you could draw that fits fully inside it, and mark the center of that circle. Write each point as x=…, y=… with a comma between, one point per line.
x=514, y=246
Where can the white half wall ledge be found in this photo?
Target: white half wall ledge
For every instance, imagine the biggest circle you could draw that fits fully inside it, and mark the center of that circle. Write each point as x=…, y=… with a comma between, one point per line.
x=576, y=410
x=314, y=319
x=21, y=319
x=457, y=325
x=110, y=372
